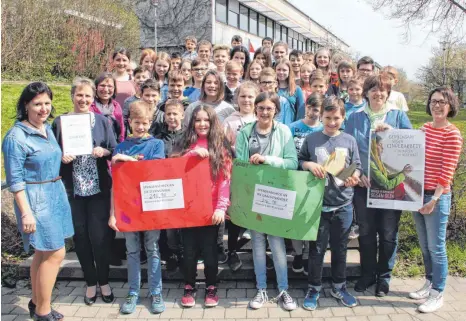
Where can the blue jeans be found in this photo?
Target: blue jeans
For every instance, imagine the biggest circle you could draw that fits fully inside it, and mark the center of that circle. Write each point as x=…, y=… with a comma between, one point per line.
x=154, y=270
x=277, y=245
x=432, y=231
x=336, y=227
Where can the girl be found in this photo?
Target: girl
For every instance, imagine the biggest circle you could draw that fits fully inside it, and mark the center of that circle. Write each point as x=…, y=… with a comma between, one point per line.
x=186, y=71
x=124, y=84
x=287, y=88
x=254, y=70
x=264, y=55
x=204, y=138
x=198, y=70
x=32, y=165
x=322, y=60
x=268, y=142
x=345, y=71
x=105, y=104
x=162, y=67
x=337, y=57
x=306, y=71
x=147, y=61
x=443, y=149
x=241, y=54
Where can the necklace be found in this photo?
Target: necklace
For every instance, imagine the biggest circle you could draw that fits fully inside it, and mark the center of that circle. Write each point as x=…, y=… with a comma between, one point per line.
x=42, y=131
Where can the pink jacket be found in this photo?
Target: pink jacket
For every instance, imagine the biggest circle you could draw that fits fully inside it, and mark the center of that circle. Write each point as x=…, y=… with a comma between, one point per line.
x=117, y=113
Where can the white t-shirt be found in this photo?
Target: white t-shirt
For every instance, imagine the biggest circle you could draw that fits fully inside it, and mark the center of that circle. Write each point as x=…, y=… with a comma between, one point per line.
x=397, y=100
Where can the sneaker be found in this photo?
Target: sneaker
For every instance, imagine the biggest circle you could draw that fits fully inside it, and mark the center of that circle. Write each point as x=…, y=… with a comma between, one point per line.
x=156, y=304
x=433, y=302
x=222, y=256
x=354, y=232
x=344, y=296
x=382, y=288
x=310, y=301
x=289, y=303
x=268, y=262
x=211, y=297
x=258, y=301
x=189, y=297
x=200, y=261
x=246, y=235
x=234, y=262
x=297, y=265
x=364, y=283
x=129, y=305
x=423, y=292
x=172, y=262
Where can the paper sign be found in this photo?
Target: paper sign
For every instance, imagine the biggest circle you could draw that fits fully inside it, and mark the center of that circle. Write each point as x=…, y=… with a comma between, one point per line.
x=273, y=201
x=162, y=195
x=76, y=134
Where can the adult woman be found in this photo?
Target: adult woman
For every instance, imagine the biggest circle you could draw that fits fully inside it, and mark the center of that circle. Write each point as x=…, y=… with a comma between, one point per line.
x=32, y=165
x=443, y=149
x=88, y=183
x=105, y=104
x=376, y=116
x=269, y=142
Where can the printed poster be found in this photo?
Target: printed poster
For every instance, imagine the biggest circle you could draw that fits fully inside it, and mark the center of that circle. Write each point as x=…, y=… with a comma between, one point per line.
x=396, y=169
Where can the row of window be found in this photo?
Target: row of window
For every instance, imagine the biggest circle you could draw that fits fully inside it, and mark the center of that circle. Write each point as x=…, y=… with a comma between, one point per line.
x=238, y=16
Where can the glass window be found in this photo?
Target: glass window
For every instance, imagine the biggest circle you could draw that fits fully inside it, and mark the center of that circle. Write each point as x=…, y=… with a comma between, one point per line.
x=290, y=42
x=278, y=34
x=221, y=10
x=269, y=28
x=233, y=19
x=243, y=18
x=284, y=33
x=253, y=22
x=262, y=26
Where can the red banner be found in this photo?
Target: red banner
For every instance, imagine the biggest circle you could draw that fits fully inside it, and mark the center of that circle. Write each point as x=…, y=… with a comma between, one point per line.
x=162, y=194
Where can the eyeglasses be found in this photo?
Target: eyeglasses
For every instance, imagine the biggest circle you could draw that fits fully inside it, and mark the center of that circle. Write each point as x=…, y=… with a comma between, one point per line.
x=267, y=109
x=267, y=83
x=441, y=103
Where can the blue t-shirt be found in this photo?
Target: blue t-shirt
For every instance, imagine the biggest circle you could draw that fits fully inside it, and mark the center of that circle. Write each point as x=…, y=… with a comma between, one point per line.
x=193, y=94
x=300, y=130
x=351, y=108
x=149, y=147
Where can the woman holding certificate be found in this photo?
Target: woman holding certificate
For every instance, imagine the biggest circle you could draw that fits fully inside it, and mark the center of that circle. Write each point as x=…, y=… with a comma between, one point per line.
x=32, y=165
x=87, y=141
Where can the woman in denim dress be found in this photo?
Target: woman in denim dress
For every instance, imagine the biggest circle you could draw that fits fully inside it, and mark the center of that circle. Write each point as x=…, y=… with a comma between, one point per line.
x=32, y=164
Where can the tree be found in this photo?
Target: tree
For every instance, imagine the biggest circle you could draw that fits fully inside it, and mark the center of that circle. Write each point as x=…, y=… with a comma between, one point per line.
x=443, y=17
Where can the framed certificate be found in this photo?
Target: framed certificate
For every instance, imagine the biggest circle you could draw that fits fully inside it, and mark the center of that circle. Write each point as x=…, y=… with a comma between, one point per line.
x=76, y=134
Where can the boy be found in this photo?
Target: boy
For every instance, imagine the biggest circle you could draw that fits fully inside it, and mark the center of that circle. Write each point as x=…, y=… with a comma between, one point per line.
x=198, y=71
x=140, y=75
x=236, y=41
x=365, y=67
x=175, y=61
x=150, y=93
x=234, y=72
x=204, y=52
x=190, y=43
x=337, y=209
x=267, y=42
x=140, y=146
x=355, y=99
x=221, y=57
x=319, y=82
x=296, y=61
x=308, y=57
x=396, y=99
x=175, y=89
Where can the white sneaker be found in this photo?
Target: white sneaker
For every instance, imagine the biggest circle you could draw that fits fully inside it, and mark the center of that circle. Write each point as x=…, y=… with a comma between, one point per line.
x=423, y=292
x=433, y=302
x=289, y=303
x=258, y=301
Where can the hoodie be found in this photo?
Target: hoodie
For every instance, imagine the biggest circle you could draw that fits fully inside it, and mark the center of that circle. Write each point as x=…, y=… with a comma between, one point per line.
x=149, y=147
x=170, y=138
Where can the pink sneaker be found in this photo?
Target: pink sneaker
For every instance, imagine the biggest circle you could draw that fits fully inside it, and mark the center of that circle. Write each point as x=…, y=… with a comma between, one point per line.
x=211, y=297
x=189, y=297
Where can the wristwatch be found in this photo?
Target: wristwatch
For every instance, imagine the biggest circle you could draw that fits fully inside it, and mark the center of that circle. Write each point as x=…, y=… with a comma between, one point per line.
x=435, y=198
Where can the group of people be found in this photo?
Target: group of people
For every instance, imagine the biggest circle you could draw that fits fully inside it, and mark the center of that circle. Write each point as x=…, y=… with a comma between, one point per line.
x=286, y=110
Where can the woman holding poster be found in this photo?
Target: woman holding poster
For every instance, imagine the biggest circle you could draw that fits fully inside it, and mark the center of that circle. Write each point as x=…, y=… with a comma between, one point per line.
x=376, y=116
x=88, y=182
x=268, y=142
x=443, y=149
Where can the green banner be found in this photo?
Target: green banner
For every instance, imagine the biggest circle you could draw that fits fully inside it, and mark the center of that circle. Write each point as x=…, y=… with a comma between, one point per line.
x=276, y=201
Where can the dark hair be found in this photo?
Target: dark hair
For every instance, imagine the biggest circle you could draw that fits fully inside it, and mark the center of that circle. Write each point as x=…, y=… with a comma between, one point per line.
x=448, y=95
x=365, y=60
x=221, y=86
x=315, y=100
x=381, y=81
x=138, y=70
x=122, y=51
x=296, y=53
x=273, y=97
x=175, y=55
x=100, y=78
x=267, y=54
x=333, y=103
x=236, y=38
x=267, y=39
x=246, y=56
x=152, y=84
x=196, y=62
x=29, y=93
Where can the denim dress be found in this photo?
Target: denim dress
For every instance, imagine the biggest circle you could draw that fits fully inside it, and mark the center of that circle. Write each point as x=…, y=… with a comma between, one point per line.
x=30, y=157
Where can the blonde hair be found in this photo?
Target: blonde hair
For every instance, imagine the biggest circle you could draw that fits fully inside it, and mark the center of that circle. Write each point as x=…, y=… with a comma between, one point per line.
x=291, y=76
x=165, y=57
x=320, y=50
x=233, y=65
x=306, y=64
x=318, y=75
x=255, y=61
x=222, y=47
x=246, y=85
x=140, y=109
x=79, y=82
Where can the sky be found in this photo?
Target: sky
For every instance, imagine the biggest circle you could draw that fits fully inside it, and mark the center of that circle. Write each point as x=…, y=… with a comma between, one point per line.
x=371, y=33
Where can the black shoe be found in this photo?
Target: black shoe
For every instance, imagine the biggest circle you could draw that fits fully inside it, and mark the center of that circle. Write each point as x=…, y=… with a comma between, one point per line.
x=108, y=298
x=234, y=262
x=32, y=310
x=115, y=261
x=90, y=301
x=364, y=283
x=268, y=262
x=297, y=265
x=222, y=256
x=172, y=262
x=382, y=288
x=48, y=317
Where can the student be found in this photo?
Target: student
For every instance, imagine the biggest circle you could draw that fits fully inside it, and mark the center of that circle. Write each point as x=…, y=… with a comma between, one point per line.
x=175, y=61
x=296, y=61
x=140, y=76
x=198, y=71
x=267, y=42
x=305, y=74
x=175, y=89
x=372, y=222
x=395, y=98
x=190, y=43
x=443, y=150
x=319, y=82
x=241, y=55
x=279, y=50
x=254, y=71
x=236, y=41
x=147, y=60
x=356, y=100
x=212, y=94
x=140, y=146
x=221, y=57
x=124, y=83
x=186, y=71
x=268, y=142
x=337, y=208
x=268, y=83
x=204, y=138
x=162, y=67
x=150, y=93
x=131, y=66
x=337, y=58
x=365, y=67
x=322, y=60
x=245, y=96
x=204, y=53
x=345, y=71
x=287, y=88
x=234, y=72
x=309, y=57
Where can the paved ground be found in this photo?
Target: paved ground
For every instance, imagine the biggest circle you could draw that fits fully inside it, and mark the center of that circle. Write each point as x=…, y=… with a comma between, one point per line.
x=68, y=299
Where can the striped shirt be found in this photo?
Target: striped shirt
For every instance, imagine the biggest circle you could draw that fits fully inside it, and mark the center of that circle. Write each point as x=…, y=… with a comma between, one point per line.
x=443, y=149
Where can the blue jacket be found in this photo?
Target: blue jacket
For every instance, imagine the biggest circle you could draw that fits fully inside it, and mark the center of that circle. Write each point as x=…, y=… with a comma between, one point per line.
x=359, y=126
x=286, y=115
x=296, y=101
x=149, y=147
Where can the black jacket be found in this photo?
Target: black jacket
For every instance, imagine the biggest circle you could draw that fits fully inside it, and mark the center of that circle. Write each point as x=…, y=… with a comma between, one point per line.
x=170, y=139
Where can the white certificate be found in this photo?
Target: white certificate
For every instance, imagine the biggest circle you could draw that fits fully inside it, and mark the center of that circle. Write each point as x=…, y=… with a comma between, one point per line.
x=162, y=195
x=273, y=201
x=76, y=134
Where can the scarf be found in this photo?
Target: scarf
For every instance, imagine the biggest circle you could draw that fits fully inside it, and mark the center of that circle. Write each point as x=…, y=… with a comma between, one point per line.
x=106, y=110
x=376, y=118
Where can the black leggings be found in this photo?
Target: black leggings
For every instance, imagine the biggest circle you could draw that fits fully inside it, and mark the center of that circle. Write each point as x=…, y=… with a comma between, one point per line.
x=233, y=235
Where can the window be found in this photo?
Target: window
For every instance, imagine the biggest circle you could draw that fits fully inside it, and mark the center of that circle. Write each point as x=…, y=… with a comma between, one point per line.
x=262, y=26
x=290, y=42
x=221, y=10
x=233, y=19
x=243, y=18
x=269, y=28
x=284, y=34
x=253, y=22
x=278, y=34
